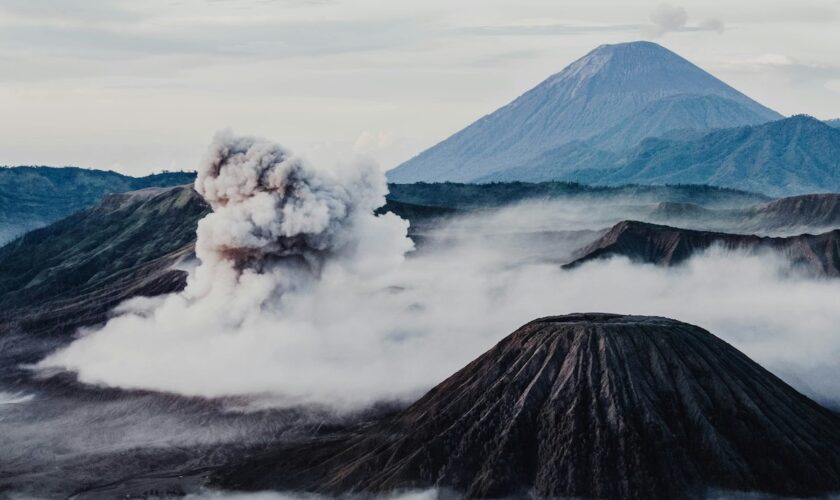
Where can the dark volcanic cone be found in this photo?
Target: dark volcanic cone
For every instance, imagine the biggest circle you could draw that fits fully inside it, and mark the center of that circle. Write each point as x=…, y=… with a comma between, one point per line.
x=586, y=405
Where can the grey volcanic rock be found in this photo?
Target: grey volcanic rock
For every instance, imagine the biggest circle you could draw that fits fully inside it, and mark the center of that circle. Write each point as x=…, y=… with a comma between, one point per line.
x=663, y=245
x=618, y=94
x=585, y=405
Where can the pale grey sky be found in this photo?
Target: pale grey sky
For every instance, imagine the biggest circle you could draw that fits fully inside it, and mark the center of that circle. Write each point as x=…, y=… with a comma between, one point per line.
x=142, y=86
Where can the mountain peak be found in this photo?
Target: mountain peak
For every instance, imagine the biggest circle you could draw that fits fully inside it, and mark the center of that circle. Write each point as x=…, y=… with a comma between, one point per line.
x=630, y=50
x=805, y=120
x=796, y=125
x=642, y=68
x=638, y=44
x=592, y=96
x=586, y=405
x=626, y=50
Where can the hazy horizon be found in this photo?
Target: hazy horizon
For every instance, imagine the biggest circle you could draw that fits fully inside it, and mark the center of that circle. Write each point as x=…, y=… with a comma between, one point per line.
x=140, y=88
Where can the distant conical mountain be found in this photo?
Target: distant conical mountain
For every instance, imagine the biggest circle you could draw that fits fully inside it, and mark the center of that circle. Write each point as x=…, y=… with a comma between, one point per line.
x=582, y=406
x=590, y=99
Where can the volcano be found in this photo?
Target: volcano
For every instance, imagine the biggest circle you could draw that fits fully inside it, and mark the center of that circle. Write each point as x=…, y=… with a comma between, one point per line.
x=616, y=95
x=584, y=405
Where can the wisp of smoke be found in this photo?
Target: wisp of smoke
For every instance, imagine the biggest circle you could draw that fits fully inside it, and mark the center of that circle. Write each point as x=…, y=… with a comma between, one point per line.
x=304, y=296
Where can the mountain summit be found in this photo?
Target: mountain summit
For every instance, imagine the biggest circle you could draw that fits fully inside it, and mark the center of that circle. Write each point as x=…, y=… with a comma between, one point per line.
x=584, y=405
x=590, y=99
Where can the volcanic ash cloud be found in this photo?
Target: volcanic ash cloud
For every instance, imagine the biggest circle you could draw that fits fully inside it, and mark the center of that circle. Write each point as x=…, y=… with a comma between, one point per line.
x=279, y=227
x=277, y=217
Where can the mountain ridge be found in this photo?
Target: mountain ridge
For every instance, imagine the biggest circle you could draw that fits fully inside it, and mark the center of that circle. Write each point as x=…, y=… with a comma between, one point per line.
x=792, y=156
x=797, y=155
x=35, y=196
x=72, y=272
x=817, y=255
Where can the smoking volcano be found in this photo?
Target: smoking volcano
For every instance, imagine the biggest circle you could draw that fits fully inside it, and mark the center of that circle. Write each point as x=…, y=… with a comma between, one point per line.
x=278, y=227
x=274, y=215
x=584, y=405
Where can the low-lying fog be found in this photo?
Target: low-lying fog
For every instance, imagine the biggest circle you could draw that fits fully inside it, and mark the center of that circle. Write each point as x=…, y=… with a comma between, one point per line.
x=368, y=324
x=349, y=342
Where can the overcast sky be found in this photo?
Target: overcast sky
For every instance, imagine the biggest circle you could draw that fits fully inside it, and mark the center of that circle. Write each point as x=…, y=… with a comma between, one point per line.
x=142, y=86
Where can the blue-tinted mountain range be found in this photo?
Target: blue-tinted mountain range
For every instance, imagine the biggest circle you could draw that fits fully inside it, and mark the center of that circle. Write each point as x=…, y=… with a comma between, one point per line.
x=611, y=99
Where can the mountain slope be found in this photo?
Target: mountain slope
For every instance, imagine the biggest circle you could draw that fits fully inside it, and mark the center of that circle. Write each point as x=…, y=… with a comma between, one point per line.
x=72, y=272
x=680, y=112
x=793, y=156
x=797, y=155
x=663, y=245
x=833, y=123
x=593, y=95
x=677, y=117
x=585, y=405
x=32, y=197
x=812, y=211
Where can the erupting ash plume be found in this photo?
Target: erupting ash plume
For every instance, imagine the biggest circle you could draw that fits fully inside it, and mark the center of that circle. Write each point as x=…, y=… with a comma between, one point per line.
x=275, y=216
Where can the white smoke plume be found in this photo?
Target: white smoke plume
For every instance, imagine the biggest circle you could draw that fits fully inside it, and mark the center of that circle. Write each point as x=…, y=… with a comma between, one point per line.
x=304, y=296
x=278, y=220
